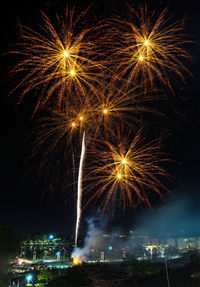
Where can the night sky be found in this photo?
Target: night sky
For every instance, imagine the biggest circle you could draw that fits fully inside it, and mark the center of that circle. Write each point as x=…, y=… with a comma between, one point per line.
x=25, y=203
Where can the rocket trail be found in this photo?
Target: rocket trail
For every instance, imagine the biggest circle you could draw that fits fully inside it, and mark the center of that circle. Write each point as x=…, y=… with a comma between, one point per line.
x=79, y=196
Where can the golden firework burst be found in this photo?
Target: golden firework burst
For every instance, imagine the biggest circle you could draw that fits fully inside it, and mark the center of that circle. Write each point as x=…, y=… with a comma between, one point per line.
x=61, y=61
x=125, y=173
x=147, y=48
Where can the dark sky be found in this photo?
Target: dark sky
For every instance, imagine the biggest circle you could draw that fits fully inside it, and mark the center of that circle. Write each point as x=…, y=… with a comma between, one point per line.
x=22, y=204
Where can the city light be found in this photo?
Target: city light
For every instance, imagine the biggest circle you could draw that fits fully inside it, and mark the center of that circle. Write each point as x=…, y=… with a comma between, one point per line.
x=51, y=236
x=29, y=277
x=110, y=248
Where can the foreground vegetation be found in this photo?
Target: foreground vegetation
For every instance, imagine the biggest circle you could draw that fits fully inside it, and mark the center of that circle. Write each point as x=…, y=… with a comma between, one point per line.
x=9, y=246
x=136, y=273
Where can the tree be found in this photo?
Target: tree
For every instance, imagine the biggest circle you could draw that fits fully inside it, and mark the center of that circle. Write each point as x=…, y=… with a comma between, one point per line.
x=74, y=277
x=171, y=251
x=143, y=268
x=9, y=246
x=9, y=242
x=46, y=275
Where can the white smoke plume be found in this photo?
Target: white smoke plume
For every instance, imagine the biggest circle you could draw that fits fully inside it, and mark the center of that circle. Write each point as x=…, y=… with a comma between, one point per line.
x=92, y=239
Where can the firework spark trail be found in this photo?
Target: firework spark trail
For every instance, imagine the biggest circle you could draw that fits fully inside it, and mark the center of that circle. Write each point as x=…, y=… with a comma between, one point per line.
x=79, y=196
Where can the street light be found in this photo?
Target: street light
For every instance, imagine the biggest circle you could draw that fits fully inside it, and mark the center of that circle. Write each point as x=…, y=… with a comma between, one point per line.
x=58, y=255
x=29, y=278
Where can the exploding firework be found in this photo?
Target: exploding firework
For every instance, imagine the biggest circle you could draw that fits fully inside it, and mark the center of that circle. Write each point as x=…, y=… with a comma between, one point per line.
x=60, y=62
x=61, y=131
x=97, y=117
x=125, y=173
x=63, y=65
x=147, y=48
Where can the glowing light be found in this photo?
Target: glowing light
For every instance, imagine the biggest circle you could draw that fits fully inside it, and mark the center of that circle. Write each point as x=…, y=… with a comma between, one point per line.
x=81, y=118
x=76, y=261
x=105, y=111
x=141, y=58
x=146, y=43
x=72, y=72
x=119, y=176
x=73, y=125
x=51, y=236
x=123, y=160
x=29, y=277
x=66, y=54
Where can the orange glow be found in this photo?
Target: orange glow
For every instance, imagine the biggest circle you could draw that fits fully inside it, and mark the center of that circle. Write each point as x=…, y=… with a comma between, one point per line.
x=105, y=111
x=76, y=261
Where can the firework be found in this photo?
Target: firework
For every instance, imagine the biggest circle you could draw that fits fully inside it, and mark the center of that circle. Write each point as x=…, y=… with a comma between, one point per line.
x=65, y=67
x=97, y=117
x=79, y=195
x=125, y=173
x=147, y=48
x=60, y=62
x=119, y=107
x=61, y=131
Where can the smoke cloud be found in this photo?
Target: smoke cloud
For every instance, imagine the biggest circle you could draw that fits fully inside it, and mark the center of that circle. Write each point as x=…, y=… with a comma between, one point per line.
x=179, y=215
x=92, y=240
